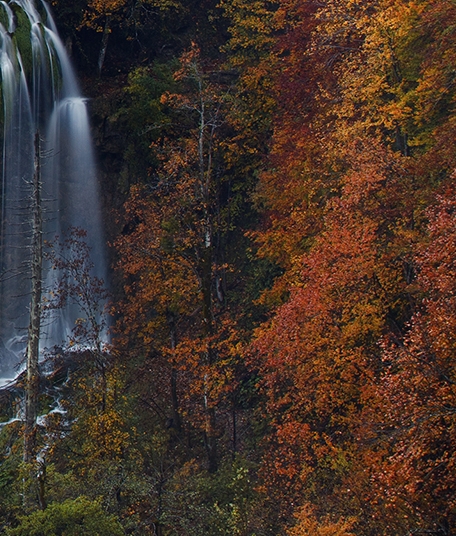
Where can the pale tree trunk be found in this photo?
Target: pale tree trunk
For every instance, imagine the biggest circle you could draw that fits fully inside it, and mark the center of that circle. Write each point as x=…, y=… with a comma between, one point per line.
x=104, y=43
x=174, y=395
x=33, y=378
x=206, y=260
x=210, y=434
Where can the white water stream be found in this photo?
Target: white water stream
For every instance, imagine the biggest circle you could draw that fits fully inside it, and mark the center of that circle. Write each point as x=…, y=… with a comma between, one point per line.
x=39, y=92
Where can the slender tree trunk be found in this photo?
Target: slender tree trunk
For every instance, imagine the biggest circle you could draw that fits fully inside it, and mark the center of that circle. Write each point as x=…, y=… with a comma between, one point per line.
x=41, y=485
x=174, y=396
x=33, y=378
x=104, y=43
x=205, y=172
x=234, y=428
x=211, y=439
x=210, y=435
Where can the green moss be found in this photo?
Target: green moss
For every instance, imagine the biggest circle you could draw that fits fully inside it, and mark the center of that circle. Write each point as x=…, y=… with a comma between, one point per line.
x=4, y=17
x=22, y=39
x=56, y=73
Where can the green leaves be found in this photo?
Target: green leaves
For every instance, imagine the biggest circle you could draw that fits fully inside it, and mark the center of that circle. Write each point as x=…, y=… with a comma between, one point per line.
x=76, y=517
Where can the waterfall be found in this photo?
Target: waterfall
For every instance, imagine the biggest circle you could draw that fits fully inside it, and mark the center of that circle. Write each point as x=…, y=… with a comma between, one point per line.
x=40, y=93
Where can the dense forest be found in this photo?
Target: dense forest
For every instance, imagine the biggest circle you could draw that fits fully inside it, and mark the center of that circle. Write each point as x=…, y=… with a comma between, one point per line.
x=278, y=183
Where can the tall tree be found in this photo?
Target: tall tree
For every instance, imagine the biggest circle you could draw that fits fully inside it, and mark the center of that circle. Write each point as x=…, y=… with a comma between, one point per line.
x=33, y=377
x=175, y=254
x=318, y=356
x=418, y=390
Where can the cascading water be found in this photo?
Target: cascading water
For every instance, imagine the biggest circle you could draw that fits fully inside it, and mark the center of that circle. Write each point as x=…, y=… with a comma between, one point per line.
x=40, y=94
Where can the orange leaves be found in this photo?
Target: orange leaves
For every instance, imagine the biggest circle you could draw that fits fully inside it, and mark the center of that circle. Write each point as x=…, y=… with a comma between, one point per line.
x=420, y=395
x=318, y=356
x=208, y=384
x=175, y=259
x=308, y=525
x=97, y=10
x=342, y=201
x=338, y=95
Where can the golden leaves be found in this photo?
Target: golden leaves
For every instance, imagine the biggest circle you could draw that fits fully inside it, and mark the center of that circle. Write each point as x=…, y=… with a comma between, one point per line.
x=309, y=525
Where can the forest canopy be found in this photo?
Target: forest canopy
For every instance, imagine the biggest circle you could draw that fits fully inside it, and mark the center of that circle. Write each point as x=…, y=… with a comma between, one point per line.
x=278, y=180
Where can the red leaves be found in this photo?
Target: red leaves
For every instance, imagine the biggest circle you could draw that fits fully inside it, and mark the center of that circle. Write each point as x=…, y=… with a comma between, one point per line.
x=342, y=195
x=318, y=355
x=419, y=386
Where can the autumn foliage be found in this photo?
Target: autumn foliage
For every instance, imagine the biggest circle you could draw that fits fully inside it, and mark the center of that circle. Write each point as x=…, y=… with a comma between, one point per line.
x=284, y=322
x=418, y=385
x=349, y=345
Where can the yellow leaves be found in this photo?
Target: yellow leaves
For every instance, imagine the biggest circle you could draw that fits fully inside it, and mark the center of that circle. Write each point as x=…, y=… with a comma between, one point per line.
x=164, y=5
x=105, y=436
x=309, y=525
x=252, y=23
x=100, y=433
x=376, y=52
x=98, y=10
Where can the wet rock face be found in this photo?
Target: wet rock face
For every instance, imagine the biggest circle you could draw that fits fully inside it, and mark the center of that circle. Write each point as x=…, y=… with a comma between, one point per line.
x=40, y=93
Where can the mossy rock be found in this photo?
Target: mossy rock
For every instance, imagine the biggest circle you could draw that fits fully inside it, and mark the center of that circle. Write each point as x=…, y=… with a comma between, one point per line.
x=21, y=38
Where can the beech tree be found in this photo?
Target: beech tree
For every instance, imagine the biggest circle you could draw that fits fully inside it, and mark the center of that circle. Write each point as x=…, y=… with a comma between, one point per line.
x=318, y=356
x=174, y=258
x=418, y=389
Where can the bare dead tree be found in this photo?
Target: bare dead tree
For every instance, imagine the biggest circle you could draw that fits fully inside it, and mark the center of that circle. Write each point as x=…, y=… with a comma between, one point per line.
x=32, y=352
